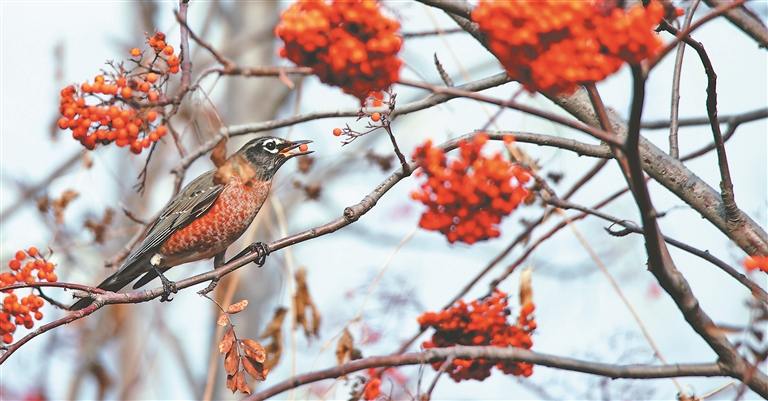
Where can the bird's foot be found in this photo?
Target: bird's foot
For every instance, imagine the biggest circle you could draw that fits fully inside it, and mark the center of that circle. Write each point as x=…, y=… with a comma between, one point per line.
x=169, y=287
x=259, y=247
x=205, y=291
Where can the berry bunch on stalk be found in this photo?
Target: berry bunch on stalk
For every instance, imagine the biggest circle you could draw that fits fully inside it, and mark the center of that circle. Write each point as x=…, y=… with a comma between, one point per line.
x=481, y=322
x=468, y=197
x=347, y=43
x=555, y=45
x=26, y=267
x=117, y=105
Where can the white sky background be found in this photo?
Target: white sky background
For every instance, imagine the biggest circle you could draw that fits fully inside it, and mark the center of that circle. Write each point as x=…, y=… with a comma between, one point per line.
x=579, y=314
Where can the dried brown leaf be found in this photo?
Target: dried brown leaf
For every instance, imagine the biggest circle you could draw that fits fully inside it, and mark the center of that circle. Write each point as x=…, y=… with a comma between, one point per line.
x=256, y=369
x=305, y=163
x=232, y=361
x=303, y=301
x=274, y=328
x=60, y=204
x=219, y=154
x=222, y=321
x=345, y=347
x=231, y=383
x=526, y=292
x=228, y=341
x=43, y=204
x=254, y=350
x=235, y=165
x=241, y=384
x=237, y=307
x=99, y=228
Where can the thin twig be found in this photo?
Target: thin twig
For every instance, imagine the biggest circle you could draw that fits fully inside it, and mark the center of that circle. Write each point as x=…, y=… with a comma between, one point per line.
x=674, y=149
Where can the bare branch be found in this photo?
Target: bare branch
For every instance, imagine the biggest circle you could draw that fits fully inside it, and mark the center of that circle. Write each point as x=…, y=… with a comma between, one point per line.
x=496, y=354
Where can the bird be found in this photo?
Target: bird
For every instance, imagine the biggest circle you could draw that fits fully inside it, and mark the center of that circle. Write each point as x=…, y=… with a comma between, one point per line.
x=204, y=218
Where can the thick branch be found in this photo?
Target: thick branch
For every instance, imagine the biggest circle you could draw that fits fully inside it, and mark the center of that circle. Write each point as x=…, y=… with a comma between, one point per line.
x=496, y=354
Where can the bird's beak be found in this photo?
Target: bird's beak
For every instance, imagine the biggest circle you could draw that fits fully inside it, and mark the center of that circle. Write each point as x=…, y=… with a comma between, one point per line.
x=294, y=149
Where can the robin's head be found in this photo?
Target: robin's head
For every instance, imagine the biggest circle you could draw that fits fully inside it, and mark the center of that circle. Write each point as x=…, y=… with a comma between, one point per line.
x=267, y=154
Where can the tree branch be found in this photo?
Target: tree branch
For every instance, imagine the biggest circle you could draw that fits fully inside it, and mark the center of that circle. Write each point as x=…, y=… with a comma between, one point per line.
x=496, y=354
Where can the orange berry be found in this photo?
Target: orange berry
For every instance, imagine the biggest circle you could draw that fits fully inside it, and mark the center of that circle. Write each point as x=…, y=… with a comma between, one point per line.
x=136, y=147
x=145, y=143
x=151, y=115
x=152, y=96
x=98, y=79
x=173, y=61
x=86, y=87
x=174, y=69
x=126, y=92
x=135, y=52
x=132, y=130
x=38, y=315
x=48, y=267
x=14, y=264
x=161, y=130
x=144, y=87
x=52, y=277
x=160, y=45
x=303, y=147
x=153, y=137
x=121, y=142
x=121, y=82
x=20, y=255
x=508, y=138
x=7, y=338
x=376, y=116
x=152, y=77
x=29, y=324
x=168, y=50
x=336, y=131
x=63, y=123
x=152, y=42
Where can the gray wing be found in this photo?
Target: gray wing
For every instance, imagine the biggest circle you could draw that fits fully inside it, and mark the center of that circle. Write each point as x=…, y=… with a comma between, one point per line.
x=192, y=202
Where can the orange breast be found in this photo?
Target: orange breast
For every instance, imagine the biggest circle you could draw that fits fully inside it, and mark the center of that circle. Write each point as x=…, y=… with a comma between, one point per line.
x=228, y=218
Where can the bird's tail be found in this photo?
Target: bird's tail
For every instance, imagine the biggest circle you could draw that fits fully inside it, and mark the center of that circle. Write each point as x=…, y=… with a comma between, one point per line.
x=119, y=279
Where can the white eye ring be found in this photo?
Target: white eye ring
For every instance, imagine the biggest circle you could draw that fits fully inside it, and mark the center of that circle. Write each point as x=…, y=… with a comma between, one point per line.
x=270, y=146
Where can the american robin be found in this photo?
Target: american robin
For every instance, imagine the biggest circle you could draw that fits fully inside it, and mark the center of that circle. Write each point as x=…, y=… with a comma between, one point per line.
x=204, y=219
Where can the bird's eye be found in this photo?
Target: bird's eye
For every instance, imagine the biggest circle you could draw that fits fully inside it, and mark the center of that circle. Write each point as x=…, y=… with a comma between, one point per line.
x=270, y=146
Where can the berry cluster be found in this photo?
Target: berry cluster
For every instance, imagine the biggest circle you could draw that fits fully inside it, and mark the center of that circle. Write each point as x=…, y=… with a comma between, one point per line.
x=468, y=198
x=349, y=44
x=482, y=322
x=114, y=113
x=17, y=312
x=554, y=45
x=756, y=262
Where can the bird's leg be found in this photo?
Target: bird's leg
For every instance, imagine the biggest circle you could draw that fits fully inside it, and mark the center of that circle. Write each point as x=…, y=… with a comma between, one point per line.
x=168, y=286
x=261, y=248
x=218, y=261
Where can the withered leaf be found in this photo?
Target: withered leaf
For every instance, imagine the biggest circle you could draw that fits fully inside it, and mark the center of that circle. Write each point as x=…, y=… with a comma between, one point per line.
x=305, y=163
x=235, y=165
x=241, y=384
x=256, y=369
x=274, y=328
x=344, y=347
x=231, y=383
x=43, y=204
x=99, y=228
x=303, y=301
x=237, y=307
x=232, y=361
x=60, y=204
x=219, y=154
x=254, y=350
x=228, y=341
x=526, y=292
x=222, y=321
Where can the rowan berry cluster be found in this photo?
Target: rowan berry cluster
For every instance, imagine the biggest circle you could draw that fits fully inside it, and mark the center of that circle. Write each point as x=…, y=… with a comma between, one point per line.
x=756, y=262
x=481, y=322
x=349, y=44
x=109, y=110
x=468, y=197
x=20, y=312
x=554, y=45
